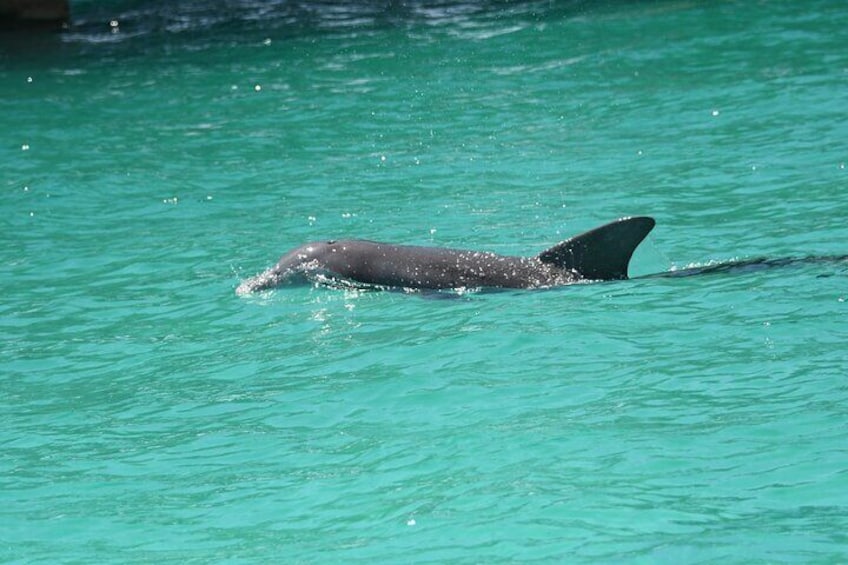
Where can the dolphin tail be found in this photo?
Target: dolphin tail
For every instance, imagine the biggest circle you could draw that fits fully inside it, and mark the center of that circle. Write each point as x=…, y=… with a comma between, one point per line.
x=602, y=253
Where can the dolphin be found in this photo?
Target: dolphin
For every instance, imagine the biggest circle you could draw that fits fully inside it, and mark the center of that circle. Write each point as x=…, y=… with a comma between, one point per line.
x=600, y=254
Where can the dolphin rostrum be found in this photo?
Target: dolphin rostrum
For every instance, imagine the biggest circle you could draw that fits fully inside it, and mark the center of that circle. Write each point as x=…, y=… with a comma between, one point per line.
x=599, y=254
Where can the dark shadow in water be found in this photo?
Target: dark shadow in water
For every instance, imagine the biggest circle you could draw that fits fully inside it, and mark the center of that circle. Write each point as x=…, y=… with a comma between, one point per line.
x=745, y=266
x=195, y=24
x=316, y=16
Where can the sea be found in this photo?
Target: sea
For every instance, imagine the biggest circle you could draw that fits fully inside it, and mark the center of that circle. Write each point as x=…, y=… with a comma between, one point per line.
x=155, y=153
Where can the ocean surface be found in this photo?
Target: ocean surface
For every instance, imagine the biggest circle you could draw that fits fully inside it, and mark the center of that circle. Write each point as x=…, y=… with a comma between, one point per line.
x=157, y=153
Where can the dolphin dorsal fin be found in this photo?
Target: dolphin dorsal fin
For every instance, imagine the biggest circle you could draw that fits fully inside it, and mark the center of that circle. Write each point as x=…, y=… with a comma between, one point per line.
x=602, y=253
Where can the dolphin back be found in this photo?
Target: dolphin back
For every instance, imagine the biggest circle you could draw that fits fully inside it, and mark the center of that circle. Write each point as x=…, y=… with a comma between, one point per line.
x=602, y=253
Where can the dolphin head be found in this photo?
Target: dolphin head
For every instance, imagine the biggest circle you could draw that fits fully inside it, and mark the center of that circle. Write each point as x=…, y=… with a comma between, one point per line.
x=296, y=266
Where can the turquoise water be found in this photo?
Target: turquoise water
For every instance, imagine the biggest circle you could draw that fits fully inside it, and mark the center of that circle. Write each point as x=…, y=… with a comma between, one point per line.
x=147, y=413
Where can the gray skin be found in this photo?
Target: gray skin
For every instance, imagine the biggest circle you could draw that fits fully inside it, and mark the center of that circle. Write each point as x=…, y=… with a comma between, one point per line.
x=600, y=254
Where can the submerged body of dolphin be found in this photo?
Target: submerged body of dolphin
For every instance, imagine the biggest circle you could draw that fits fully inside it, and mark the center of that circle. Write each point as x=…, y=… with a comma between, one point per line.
x=600, y=254
x=757, y=264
